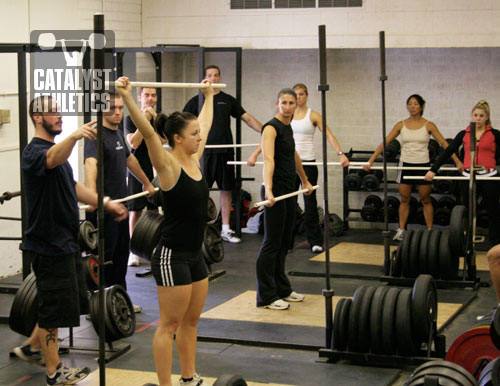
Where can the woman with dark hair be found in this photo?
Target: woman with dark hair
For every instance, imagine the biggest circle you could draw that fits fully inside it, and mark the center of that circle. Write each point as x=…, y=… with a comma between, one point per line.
x=281, y=165
x=177, y=262
x=415, y=134
x=487, y=154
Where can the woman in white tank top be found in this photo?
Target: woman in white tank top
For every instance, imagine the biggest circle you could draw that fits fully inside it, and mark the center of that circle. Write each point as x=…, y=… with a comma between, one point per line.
x=415, y=134
x=304, y=124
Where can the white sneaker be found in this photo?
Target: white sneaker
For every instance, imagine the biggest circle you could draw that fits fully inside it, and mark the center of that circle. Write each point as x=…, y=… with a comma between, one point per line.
x=317, y=249
x=295, y=297
x=277, y=305
x=230, y=236
x=400, y=234
x=196, y=381
x=137, y=308
x=133, y=260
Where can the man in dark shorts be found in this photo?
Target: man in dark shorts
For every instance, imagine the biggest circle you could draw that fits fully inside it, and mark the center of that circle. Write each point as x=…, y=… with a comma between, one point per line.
x=148, y=98
x=51, y=235
x=117, y=158
x=214, y=161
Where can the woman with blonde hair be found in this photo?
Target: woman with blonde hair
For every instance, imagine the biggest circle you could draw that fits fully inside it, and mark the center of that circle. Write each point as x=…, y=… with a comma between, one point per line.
x=487, y=154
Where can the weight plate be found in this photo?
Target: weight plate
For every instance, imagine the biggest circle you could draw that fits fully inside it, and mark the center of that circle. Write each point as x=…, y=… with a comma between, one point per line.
x=459, y=224
x=423, y=251
x=211, y=211
x=87, y=237
x=406, y=344
x=415, y=253
x=369, y=213
x=371, y=182
x=121, y=311
x=433, y=254
x=147, y=233
x=445, y=376
x=344, y=325
x=230, y=380
x=212, y=247
x=373, y=200
x=397, y=262
x=389, y=341
x=442, y=216
x=445, y=365
x=354, y=318
x=24, y=310
x=352, y=181
x=90, y=266
x=376, y=325
x=364, y=320
x=472, y=347
x=448, y=264
x=446, y=202
x=335, y=225
x=486, y=374
x=393, y=202
x=424, y=307
x=495, y=328
x=405, y=253
x=336, y=325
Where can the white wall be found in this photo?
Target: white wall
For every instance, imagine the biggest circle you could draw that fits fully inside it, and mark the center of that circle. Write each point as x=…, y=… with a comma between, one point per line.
x=17, y=20
x=408, y=23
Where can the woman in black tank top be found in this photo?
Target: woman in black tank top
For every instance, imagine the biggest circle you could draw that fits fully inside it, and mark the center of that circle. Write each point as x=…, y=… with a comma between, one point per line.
x=281, y=164
x=186, y=191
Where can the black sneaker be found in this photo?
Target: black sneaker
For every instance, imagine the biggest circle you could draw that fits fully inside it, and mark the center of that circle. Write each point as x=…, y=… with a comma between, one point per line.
x=26, y=353
x=67, y=376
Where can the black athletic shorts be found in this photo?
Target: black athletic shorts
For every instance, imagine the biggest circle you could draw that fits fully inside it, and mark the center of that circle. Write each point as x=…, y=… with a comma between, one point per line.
x=134, y=186
x=171, y=268
x=404, y=173
x=215, y=168
x=57, y=289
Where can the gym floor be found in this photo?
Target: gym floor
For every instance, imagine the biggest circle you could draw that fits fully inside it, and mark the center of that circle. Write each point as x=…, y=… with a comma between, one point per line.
x=264, y=346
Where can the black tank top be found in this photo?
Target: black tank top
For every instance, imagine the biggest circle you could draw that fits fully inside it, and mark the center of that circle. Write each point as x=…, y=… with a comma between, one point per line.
x=284, y=157
x=185, y=208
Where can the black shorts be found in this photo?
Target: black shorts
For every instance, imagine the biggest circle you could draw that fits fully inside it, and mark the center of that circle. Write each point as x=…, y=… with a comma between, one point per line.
x=134, y=186
x=57, y=289
x=215, y=168
x=171, y=268
x=405, y=173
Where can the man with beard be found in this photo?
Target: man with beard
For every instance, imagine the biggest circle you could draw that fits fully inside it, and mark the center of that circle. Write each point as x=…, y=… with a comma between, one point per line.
x=117, y=158
x=51, y=235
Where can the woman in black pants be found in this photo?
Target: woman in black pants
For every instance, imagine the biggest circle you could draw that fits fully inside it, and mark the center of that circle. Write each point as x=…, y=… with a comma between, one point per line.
x=487, y=154
x=281, y=164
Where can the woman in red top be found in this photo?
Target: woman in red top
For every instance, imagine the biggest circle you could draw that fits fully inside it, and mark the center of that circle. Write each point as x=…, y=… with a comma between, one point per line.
x=487, y=153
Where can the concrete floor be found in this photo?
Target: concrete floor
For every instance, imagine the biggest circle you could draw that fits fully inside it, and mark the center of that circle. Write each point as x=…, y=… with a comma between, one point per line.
x=270, y=353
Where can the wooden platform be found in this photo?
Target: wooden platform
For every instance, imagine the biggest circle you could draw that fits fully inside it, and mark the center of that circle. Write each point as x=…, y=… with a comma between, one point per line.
x=372, y=254
x=117, y=377
x=310, y=312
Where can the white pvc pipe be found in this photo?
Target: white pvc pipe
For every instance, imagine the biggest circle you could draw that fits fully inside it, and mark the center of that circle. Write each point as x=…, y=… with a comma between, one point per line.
x=131, y=197
x=231, y=145
x=285, y=196
x=166, y=85
x=303, y=163
x=452, y=178
x=404, y=168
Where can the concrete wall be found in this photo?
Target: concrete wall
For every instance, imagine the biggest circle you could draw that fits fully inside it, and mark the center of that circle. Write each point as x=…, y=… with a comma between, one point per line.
x=423, y=23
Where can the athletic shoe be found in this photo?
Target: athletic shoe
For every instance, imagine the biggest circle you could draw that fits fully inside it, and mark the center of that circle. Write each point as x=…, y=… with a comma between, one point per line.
x=26, y=353
x=133, y=260
x=196, y=381
x=67, y=376
x=137, y=309
x=230, y=236
x=277, y=305
x=295, y=297
x=317, y=249
x=400, y=235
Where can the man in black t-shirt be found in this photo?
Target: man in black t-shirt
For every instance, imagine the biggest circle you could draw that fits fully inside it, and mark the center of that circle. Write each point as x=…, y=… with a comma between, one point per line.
x=148, y=98
x=214, y=161
x=117, y=158
x=51, y=236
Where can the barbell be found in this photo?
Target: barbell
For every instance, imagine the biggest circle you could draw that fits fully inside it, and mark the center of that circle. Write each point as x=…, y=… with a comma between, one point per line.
x=118, y=200
x=284, y=196
x=452, y=178
x=166, y=85
x=303, y=163
x=47, y=41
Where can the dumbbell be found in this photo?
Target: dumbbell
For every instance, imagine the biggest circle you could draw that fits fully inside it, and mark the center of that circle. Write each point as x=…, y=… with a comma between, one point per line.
x=354, y=179
x=393, y=149
x=371, y=181
x=433, y=148
x=392, y=209
x=443, y=210
x=444, y=186
x=370, y=211
x=47, y=41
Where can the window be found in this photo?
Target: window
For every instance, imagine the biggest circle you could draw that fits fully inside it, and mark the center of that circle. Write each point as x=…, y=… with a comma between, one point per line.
x=339, y=3
x=251, y=4
x=294, y=3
